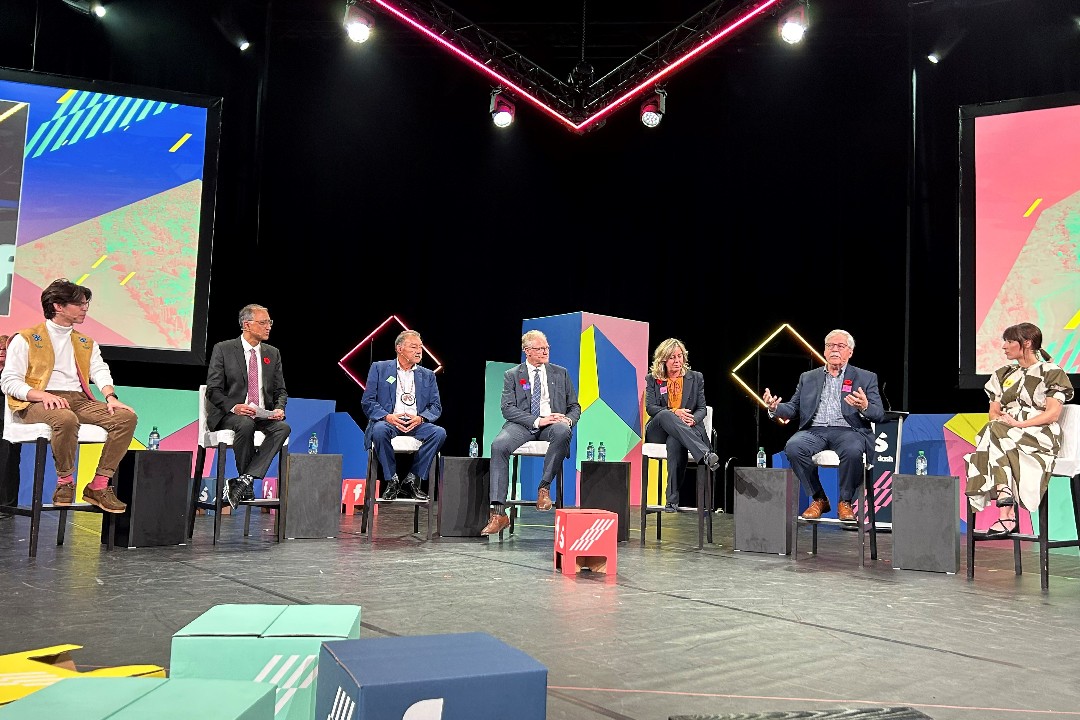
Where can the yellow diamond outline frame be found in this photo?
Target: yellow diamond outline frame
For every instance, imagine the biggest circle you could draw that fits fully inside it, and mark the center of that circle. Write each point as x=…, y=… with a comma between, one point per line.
x=794, y=333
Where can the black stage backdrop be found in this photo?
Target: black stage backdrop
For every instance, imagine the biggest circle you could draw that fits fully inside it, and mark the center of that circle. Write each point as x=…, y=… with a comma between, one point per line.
x=784, y=185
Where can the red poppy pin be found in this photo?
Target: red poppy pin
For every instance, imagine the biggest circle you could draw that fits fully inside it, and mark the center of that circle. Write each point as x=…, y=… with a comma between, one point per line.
x=847, y=385
x=525, y=385
x=266, y=361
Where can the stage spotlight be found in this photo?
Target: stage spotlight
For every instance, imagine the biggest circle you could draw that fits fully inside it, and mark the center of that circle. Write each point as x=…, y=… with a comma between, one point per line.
x=244, y=45
x=501, y=109
x=87, y=7
x=793, y=25
x=653, y=108
x=358, y=24
x=934, y=58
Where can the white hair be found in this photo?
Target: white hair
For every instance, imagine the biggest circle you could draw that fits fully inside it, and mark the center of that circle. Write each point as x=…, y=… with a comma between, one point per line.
x=838, y=331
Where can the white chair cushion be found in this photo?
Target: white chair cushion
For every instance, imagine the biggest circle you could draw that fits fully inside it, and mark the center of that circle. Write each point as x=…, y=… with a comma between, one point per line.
x=1068, y=459
x=533, y=447
x=657, y=451
x=405, y=444
x=17, y=431
x=827, y=458
x=211, y=439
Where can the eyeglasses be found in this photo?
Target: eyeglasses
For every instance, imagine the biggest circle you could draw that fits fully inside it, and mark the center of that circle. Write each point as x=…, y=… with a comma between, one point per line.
x=540, y=349
x=85, y=305
x=264, y=323
x=836, y=346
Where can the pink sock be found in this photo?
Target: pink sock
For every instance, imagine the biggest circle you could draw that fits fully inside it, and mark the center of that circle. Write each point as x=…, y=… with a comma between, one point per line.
x=99, y=482
x=66, y=480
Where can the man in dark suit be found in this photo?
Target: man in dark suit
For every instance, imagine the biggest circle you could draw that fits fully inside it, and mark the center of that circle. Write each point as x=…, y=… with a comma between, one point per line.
x=539, y=402
x=402, y=398
x=245, y=392
x=835, y=406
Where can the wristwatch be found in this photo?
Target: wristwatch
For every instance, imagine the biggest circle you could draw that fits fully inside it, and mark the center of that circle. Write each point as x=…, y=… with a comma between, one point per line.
x=114, y=396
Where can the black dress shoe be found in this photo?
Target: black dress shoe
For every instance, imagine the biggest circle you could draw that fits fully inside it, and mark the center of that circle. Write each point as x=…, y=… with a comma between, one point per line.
x=392, y=489
x=231, y=492
x=246, y=485
x=712, y=461
x=411, y=486
x=671, y=508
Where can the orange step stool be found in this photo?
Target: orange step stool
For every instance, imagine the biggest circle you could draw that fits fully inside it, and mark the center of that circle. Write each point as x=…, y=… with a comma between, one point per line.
x=586, y=539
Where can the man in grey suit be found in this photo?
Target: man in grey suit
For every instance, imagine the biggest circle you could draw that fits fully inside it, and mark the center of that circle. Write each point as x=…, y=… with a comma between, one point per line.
x=245, y=392
x=539, y=402
x=835, y=406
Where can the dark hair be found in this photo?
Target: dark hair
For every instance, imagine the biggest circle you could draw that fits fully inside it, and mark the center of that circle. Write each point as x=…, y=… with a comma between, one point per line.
x=1026, y=331
x=62, y=291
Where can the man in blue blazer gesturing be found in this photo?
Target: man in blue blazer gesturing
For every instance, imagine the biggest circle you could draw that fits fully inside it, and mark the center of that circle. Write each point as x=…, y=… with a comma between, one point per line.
x=835, y=406
x=402, y=398
x=539, y=402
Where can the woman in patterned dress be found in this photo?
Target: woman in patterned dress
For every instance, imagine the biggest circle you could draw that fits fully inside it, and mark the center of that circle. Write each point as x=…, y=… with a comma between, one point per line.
x=1016, y=450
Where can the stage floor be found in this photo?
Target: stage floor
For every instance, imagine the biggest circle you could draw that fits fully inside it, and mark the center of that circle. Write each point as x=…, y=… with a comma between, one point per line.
x=676, y=632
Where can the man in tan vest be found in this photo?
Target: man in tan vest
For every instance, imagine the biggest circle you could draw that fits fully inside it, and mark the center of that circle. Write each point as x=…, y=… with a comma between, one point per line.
x=46, y=380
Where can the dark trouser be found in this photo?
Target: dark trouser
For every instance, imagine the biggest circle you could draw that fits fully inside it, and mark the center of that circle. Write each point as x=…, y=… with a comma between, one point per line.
x=849, y=444
x=680, y=438
x=510, y=438
x=249, y=459
x=431, y=438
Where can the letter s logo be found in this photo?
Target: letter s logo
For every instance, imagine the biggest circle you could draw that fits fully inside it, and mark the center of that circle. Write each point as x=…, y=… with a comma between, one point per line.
x=560, y=533
x=882, y=443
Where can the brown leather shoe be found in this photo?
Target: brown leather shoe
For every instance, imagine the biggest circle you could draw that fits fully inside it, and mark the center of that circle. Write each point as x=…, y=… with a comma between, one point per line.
x=816, y=509
x=104, y=498
x=543, y=499
x=496, y=522
x=64, y=494
x=845, y=512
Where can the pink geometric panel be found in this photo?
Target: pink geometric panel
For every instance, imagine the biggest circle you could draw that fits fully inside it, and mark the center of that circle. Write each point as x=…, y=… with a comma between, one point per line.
x=187, y=438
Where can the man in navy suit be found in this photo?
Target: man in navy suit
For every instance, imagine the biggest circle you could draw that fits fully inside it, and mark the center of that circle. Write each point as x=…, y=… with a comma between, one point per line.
x=402, y=398
x=835, y=406
x=539, y=402
x=245, y=392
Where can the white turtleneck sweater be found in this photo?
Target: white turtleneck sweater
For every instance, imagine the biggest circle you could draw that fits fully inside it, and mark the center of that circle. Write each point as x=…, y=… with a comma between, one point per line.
x=64, y=375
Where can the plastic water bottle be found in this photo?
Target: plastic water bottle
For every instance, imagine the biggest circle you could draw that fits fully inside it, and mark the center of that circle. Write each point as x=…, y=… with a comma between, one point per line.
x=155, y=440
x=920, y=463
x=601, y=452
x=474, y=449
x=590, y=452
x=762, y=459
x=313, y=445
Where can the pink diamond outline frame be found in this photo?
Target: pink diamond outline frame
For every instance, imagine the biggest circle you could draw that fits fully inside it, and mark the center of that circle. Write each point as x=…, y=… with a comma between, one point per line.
x=371, y=336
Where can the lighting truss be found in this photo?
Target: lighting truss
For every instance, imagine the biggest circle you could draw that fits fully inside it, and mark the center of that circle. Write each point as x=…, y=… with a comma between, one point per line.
x=584, y=107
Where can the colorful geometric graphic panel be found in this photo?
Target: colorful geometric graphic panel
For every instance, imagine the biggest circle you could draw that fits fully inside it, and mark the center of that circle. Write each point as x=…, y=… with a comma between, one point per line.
x=607, y=357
